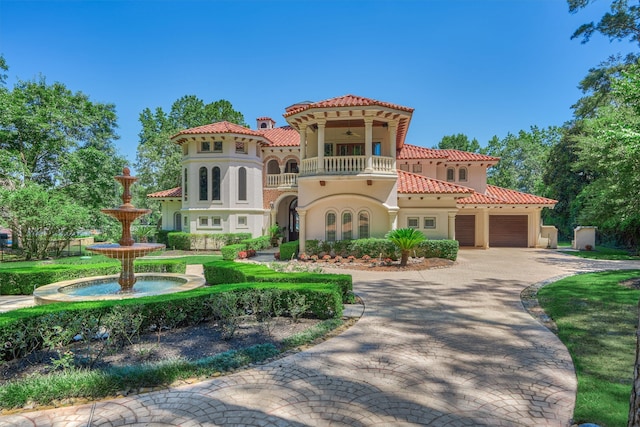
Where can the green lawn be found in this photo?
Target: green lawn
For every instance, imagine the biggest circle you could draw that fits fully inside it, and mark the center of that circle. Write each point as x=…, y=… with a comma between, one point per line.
x=99, y=259
x=596, y=319
x=601, y=252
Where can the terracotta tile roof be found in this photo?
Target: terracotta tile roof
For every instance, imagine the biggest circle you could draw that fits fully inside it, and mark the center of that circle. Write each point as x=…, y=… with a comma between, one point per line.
x=409, y=151
x=411, y=183
x=264, y=118
x=218, y=127
x=504, y=196
x=284, y=136
x=465, y=156
x=174, y=192
x=346, y=101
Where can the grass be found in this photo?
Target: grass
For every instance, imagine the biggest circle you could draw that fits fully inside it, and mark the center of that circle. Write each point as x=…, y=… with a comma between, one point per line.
x=596, y=319
x=601, y=252
x=81, y=384
x=98, y=259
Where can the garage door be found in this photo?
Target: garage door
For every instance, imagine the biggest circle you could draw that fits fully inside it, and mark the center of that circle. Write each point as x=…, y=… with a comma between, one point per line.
x=508, y=231
x=466, y=230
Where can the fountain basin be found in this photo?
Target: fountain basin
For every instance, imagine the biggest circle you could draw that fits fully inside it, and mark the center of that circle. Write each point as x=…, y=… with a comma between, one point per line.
x=108, y=288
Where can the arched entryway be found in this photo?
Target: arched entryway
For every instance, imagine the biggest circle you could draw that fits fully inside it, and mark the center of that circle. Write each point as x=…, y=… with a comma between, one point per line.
x=286, y=216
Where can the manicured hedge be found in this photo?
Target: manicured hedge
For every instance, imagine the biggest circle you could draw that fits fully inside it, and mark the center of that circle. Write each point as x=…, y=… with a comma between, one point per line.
x=446, y=249
x=21, y=330
x=179, y=240
x=289, y=250
x=224, y=272
x=188, y=241
x=257, y=243
x=22, y=281
x=230, y=252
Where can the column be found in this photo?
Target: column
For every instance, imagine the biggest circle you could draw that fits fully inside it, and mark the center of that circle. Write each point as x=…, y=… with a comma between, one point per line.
x=484, y=221
x=368, y=143
x=451, y=235
x=302, y=236
x=393, y=127
x=321, y=124
x=303, y=142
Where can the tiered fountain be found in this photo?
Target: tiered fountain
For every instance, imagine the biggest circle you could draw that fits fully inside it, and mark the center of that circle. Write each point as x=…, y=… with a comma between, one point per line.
x=126, y=251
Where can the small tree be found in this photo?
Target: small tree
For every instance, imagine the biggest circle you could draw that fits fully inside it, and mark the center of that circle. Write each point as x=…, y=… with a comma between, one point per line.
x=405, y=239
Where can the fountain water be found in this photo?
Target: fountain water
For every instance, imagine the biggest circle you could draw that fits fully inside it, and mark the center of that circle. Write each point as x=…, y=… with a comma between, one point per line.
x=126, y=251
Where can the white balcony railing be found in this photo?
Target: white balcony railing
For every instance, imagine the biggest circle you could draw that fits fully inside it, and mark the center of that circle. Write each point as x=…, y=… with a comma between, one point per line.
x=282, y=180
x=346, y=165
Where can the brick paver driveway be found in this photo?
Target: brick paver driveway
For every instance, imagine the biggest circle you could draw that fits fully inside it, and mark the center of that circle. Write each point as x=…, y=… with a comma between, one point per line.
x=447, y=347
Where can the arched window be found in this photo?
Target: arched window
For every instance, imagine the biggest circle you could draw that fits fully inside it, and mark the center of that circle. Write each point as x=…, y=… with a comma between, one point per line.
x=451, y=174
x=263, y=125
x=177, y=221
x=204, y=183
x=186, y=186
x=363, y=225
x=291, y=167
x=347, y=226
x=330, y=227
x=272, y=167
x=462, y=174
x=242, y=184
x=215, y=183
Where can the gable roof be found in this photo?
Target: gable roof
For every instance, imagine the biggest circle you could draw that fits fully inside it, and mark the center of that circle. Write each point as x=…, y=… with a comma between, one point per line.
x=346, y=101
x=504, y=196
x=171, y=193
x=411, y=183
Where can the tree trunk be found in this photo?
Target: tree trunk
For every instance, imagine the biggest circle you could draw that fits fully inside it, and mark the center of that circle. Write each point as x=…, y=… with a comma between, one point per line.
x=634, y=401
x=404, y=258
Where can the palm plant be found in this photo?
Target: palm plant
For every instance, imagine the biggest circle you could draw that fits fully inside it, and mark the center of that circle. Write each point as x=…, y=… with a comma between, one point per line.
x=405, y=239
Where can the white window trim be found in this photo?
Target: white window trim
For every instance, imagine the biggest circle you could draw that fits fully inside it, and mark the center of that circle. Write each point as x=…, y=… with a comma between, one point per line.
x=413, y=218
x=424, y=223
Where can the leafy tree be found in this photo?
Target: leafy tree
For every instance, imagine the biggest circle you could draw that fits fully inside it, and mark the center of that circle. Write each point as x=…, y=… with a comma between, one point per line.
x=158, y=158
x=459, y=142
x=40, y=124
x=522, y=159
x=406, y=239
x=564, y=180
x=39, y=217
x=611, y=148
x=620, y=23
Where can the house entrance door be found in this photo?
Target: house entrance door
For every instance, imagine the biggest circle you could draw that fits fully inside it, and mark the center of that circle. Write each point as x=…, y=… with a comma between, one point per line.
x=294, y=221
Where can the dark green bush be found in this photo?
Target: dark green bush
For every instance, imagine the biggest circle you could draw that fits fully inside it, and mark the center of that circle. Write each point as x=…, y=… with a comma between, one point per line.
x=446, y=249
x=20, y=330
x=289, y=250
x=257, y=243
x=23, y=280
x=224, y=272
x=179, y=240
x=230, y=252
x=374, y=248
x=163, y=237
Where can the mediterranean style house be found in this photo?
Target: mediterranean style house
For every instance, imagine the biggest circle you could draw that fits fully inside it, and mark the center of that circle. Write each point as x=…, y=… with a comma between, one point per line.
x=339, y=170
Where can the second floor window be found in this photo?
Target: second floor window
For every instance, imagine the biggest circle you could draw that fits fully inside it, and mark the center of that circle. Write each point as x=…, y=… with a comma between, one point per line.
x=204, y=183
x=462, y=174
x=242, y=184
x=215, y=183
x=205, y=146
x=451, y=175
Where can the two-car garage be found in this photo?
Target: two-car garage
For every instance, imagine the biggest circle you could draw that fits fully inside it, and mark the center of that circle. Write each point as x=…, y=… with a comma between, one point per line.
x=504, y=230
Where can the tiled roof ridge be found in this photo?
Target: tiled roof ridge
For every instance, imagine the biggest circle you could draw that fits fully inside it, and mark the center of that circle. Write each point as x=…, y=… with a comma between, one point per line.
x=348, y=100
x=218, y=127
x=172, y=192
x=412, y=183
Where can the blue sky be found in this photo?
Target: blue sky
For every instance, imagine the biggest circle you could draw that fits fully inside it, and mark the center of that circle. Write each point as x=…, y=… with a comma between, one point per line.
x=478, y=67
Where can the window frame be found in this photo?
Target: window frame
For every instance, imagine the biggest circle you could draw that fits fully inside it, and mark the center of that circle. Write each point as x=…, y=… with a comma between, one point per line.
x=330, y=234
x=202, y=146
x=364, y=227
x=217, y=147
x=242, y=184
x=466, y=174
x=203, y=182
x=429, y=227
x=411, y=219
x=451, y=171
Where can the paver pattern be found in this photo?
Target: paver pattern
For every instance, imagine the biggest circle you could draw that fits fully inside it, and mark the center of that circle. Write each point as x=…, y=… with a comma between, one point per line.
x=445, y=347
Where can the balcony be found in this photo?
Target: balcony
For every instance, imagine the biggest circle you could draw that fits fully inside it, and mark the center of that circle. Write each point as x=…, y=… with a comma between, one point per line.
x=287, y=180
x=346, y=165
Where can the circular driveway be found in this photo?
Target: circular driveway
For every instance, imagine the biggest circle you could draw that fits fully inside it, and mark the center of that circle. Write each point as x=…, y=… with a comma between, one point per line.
x=444, y=347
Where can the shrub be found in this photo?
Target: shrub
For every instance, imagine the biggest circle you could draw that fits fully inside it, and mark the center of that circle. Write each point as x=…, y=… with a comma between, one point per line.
x=230, y=252
x=312, y=247
x=374, y=248
x=257, y=243
x=289, y=250
x=446, y=249
x=179, y=240
x=163, y=237
x=225, y=272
